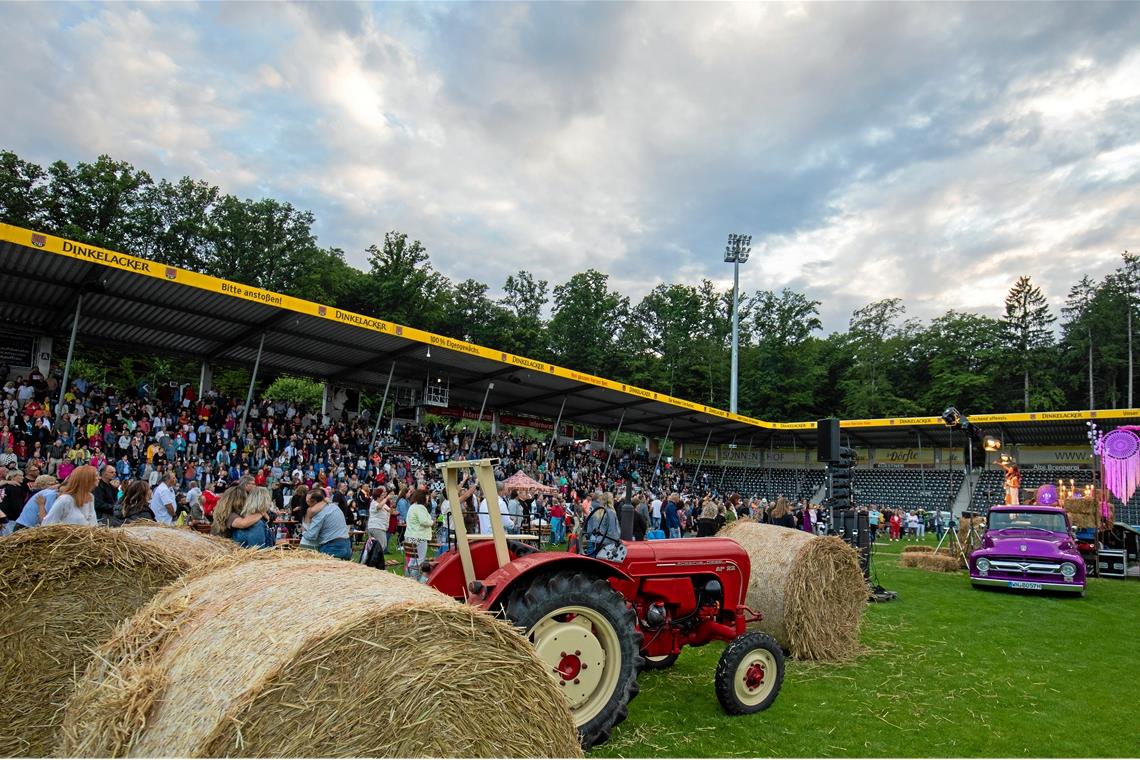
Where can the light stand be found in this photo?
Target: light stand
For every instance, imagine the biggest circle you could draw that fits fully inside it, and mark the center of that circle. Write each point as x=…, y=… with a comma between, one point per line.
x=736, y=253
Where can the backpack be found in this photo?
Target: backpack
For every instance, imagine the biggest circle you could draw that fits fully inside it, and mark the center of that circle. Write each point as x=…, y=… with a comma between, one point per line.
x=373, y=554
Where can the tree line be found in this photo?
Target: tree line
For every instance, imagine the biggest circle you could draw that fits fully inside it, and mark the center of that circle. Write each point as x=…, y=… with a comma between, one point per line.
x=676, y=339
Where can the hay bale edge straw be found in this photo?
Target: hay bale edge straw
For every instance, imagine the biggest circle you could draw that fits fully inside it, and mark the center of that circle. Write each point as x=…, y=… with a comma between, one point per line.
x=63, y=589
x=937, y=563
x=233, y=662
x=809, y=588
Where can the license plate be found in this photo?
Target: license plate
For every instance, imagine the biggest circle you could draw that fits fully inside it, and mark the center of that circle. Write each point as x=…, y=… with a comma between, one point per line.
x=1025, y=584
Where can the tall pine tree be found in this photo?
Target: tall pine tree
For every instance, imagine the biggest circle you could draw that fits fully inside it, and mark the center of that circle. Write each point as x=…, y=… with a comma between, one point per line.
x=1027, y=321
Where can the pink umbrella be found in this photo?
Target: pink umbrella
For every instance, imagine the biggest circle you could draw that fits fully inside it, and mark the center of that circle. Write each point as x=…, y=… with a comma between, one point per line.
x=522, y=482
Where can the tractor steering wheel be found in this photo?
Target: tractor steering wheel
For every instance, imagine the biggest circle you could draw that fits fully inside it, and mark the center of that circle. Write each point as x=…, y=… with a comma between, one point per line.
x=519, y=549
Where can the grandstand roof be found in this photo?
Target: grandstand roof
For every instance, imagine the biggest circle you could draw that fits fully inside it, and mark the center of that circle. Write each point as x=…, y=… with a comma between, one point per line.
x=141, y=305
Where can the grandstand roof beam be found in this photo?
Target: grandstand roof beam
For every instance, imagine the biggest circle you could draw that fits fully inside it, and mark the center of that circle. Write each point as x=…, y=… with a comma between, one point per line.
x=622, y=405
x=383, y=356
x=251, y=331
x=566, y=392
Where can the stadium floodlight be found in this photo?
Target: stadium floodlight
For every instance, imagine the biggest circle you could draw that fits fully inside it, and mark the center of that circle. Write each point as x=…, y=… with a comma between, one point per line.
x=736, y=253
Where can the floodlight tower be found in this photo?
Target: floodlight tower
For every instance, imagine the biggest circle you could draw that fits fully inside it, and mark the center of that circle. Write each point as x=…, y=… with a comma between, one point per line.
x=736, y=253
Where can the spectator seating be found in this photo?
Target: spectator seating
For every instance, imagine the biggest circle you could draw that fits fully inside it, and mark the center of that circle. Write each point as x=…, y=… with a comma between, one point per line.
x=799, y=483
x=907, y=489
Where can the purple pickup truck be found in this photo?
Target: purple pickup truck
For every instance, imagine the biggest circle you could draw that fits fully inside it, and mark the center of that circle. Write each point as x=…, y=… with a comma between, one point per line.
x=1028, y=547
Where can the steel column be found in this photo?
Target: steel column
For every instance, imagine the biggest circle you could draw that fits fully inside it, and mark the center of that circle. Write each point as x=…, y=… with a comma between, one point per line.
x=252, y=382
x=610, y=455
x=380, y=414
x=70, y=348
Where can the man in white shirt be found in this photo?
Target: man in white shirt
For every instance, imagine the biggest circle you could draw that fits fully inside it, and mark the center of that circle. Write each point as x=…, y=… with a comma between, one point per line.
x=162, y=501
x=655, y=513
x=485, y=516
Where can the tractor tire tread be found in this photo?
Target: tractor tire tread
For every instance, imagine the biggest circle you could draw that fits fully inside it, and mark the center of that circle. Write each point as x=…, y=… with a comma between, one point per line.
x=545, y=592
x=726, y=670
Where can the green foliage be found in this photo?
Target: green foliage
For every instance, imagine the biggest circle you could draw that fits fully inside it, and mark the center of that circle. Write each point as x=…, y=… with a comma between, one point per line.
x=676, y=339
x=295, y=390
x=232, y=381
x=948, y=671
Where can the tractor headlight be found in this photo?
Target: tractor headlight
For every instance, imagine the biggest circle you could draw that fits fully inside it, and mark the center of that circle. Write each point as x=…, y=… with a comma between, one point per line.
x=983, y=566
x=1068, y=569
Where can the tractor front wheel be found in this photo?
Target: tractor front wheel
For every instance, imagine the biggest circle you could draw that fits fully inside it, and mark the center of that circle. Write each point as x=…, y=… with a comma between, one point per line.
x=749, y=674
x=587, y=636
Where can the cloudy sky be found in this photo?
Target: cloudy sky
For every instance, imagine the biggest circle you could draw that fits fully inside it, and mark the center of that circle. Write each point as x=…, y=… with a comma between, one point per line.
x=932, y=152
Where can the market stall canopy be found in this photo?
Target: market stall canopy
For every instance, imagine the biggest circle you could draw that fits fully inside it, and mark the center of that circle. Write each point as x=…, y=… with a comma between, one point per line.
x=522, y=482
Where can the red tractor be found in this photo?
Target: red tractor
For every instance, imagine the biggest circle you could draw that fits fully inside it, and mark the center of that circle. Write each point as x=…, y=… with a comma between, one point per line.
x=597, y=623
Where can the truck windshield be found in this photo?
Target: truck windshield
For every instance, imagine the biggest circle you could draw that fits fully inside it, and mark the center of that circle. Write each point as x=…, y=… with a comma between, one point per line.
x=1028, y=520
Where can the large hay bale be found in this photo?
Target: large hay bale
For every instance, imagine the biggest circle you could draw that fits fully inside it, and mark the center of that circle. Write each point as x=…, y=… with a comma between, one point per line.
x=917, y=549
x=282, y=656
x=971, y=540
x=938, y=563
x=193, y=545
x=63, y=589
x=809, y=588
x=1083, y=513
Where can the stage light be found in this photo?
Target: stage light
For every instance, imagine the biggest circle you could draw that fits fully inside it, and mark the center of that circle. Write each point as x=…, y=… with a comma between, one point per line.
x=951, y=417
x=989, y=443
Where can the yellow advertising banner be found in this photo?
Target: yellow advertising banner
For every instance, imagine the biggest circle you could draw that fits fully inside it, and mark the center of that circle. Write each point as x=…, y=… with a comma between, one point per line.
x=904, y=456
x=787, y=457
x=741, y=456
x=63, y=247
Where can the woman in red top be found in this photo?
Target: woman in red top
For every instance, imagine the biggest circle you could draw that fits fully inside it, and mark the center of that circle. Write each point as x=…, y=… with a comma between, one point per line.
x=896, y=526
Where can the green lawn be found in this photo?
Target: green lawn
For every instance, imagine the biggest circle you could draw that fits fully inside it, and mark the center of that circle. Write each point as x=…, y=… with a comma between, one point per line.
x=949, y=671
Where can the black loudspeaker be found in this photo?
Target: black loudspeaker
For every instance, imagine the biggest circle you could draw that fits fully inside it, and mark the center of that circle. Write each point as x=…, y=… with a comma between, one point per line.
x=827, y=440
x=855, y=530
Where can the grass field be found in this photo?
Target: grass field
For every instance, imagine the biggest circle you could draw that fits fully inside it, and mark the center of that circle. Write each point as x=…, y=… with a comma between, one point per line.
x=949, y=671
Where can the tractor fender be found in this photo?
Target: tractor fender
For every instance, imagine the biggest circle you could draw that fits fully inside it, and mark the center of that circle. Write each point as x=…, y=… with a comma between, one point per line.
x=524, y=569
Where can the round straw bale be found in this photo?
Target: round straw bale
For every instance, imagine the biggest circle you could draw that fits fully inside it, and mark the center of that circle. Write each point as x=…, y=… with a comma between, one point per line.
x=282, y=656
x=809, y=588
x=917, y=549
x=193, y=545
x=938, y=563
x=63, y=589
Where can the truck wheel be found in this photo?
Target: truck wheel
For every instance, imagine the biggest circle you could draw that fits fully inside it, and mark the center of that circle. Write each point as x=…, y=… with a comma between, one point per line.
x=660, y=662
x=587, y=635
x=749, y=674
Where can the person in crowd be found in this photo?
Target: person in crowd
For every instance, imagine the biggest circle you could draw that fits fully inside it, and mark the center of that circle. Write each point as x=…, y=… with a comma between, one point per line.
x=601, y=528
x=402, y=507
x=45, y=489
x=640, y=518
x=379, y=515
x=672, y=516
x=12, y=498
x=324, y=528
x=228, y=512
x=75, y=504
x=782, y=513
x=706, y=522
x=135, y=505
x=419, y=528
x=557, y=521
x=106, y=494
x=255, y=534
x=895, y=525
x=163, y=502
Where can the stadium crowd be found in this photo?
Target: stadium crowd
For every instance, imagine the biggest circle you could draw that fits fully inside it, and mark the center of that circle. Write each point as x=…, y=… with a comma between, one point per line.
x=108, y=456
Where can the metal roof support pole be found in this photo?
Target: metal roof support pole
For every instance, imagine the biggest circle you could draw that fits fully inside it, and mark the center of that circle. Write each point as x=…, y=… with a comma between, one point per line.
x=205, y=377
x=380, y=414
x=252, y=382
x=724, y=471
x=661, y=451
x=612, y=445
x=70, y=349
x=479, y=421
x=701, y=461
x=557, y=423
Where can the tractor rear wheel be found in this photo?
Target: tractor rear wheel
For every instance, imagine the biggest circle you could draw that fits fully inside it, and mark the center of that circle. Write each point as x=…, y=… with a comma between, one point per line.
x=587, y=636
x=749, y=674
x=661, y=662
